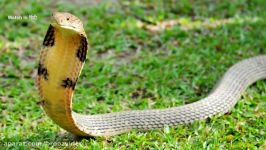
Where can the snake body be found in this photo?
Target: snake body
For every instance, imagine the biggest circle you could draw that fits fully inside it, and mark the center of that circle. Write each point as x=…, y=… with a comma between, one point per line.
x=61, y=61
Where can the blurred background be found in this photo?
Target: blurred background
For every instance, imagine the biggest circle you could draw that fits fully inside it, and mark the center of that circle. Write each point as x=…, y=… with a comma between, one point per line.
x=143, y=54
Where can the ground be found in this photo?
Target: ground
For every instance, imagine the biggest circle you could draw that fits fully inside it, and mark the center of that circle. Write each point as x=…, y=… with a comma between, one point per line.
x=142, y=55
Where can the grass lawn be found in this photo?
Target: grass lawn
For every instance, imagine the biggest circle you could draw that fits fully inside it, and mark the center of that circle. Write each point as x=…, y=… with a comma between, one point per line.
x=142, y=55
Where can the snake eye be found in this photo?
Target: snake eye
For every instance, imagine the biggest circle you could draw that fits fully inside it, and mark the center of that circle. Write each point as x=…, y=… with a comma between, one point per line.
x=67, y=18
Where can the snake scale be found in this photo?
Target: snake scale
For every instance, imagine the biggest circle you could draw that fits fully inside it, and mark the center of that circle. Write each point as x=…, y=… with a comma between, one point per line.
x=61, y=61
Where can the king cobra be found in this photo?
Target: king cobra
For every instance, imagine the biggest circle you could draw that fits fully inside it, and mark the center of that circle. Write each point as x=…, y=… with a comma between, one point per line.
x=61, y=61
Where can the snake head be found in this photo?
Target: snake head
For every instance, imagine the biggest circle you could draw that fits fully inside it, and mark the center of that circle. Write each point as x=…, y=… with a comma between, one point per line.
x=67, y=21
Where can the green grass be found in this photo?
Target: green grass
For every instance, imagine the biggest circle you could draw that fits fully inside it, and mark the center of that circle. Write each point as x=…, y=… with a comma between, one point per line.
x=131, y=67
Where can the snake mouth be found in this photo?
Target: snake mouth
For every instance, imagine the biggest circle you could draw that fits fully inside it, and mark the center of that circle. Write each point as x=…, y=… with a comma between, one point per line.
x=66, y=27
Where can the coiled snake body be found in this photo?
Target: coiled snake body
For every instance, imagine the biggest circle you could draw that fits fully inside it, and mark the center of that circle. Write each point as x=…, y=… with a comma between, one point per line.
x=62, y=58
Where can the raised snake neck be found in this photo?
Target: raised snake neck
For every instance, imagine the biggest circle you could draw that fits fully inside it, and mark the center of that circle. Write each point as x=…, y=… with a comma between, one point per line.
x=62, y=58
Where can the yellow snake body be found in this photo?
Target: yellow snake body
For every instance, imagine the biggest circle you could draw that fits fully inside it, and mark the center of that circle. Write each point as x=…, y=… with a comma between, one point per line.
x=62, y=58
x=56, y=85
